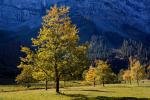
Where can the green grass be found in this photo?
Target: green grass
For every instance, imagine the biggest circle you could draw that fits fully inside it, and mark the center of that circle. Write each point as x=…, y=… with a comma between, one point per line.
x=109, y=92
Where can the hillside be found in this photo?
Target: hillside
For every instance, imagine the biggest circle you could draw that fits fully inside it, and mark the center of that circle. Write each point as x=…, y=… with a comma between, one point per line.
x=114, y=19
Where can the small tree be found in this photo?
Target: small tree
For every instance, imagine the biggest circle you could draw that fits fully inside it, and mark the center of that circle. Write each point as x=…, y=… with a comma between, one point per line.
x=84, y=74
x=127, y=76
x=103, y=72
x=77, y=65
x=132, y=61
x=42, y=67
x=91, y=75
x=26, y=67
x=137, y=71
x=40, y=75
x=120, y=75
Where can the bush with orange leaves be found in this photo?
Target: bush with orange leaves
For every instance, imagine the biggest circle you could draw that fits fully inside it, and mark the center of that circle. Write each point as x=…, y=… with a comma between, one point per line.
x=91, y=75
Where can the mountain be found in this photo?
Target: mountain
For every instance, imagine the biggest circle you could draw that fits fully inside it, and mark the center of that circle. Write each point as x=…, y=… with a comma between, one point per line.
x=114, y=19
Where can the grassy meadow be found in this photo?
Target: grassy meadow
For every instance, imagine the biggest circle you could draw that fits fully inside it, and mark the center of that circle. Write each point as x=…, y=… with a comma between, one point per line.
x=77, y=92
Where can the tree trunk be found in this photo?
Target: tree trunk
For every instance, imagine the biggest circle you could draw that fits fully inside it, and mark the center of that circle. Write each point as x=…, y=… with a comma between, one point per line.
x=137, y=82
x=103, y=83
x=64, y=83
x=28, y=85
x=57, y=85
x=56, y=79
x=94, y=82
x=46, y=84
x=130, y=81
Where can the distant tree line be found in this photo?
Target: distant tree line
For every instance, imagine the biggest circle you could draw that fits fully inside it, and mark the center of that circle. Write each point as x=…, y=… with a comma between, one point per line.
x=100, y=48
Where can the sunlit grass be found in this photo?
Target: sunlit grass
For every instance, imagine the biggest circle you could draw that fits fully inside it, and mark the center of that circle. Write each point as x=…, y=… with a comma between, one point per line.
x=78, y=92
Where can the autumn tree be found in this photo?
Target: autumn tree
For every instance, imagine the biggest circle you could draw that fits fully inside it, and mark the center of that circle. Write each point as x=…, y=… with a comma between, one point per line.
x=120, y=75
x=80, y=62
x=127, y=76
x=77, y=64
x=33, y=68
x=26, y=66
x=137, y=71
x=91, y=75
x=40, y=75
x=84, y=74
x=57, y=43
x=148, y=71
x=42, y=67
x=103, y=71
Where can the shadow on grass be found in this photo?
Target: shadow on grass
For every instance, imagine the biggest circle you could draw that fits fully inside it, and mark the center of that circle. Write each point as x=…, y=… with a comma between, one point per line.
x=76, y=96
x=97, y=91
x=117, y=98
x=17, y=90
x=90, y=90
x=85, y=97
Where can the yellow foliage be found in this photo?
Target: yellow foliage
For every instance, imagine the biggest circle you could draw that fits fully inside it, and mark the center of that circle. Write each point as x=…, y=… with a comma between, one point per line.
x=137, y=72
x=148, y=68
x=39, y=75
x=103, y=71
x=91, y=74
x=127, y=75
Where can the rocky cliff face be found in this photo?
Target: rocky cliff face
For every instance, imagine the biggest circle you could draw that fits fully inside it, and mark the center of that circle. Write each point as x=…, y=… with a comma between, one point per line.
x=128, y=18
x=114, y=19
x=19, y=21
x=16, y=13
